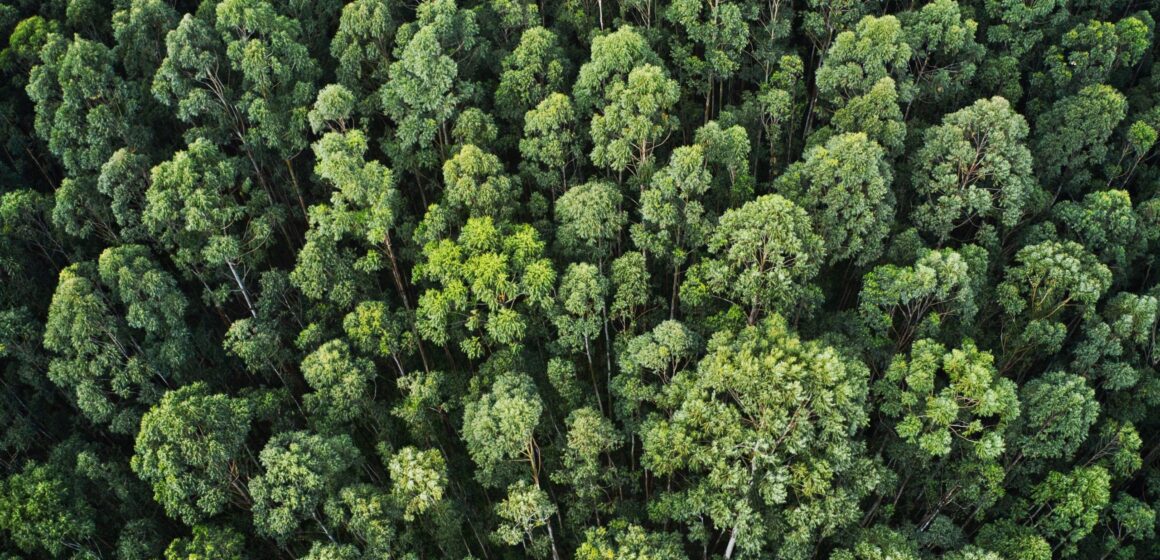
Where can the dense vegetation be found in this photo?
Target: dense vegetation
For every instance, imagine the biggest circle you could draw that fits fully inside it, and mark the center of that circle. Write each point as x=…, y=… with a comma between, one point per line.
x=582, y=279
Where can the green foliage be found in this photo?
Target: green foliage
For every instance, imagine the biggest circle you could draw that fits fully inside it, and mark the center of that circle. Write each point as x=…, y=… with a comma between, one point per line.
x=590, y=219
x=1073, y=134
x=859, y=59
x=760, y=435
x=504, y=279
x=1058, y=410
x=486, y=283
x=901, y=303
x=974, y=172
x=764, y=255
x=845, y=188
x=418, y=480
x=533, y=71
x=623, y=540
x=341, y=384
x=119, y=335
x=191, y=449
x=613, y=57
x=476, y=184
x=300, y=470
x=549, y=145
x=968, y=405
x=674, y=223
x=636, y=119
x=499, y=428
x=207, y=542
x=1051, y=281
x=945, y=53
x=41, y=511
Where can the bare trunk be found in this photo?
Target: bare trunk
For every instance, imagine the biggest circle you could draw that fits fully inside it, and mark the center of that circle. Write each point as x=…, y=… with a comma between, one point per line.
x=732, y=542
x=242, y=287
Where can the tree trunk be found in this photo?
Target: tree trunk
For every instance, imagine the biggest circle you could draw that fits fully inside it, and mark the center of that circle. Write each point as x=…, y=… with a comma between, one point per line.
x=242, y=287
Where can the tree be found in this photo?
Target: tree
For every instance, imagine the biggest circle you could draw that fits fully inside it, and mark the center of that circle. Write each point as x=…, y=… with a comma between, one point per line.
x=900, y=303
x=1089, y=52
x=859, y=59
x=1058, y=410
x=424, y=85
x=208, y=541
x=757, y=442
x=333, y=109
x=765, y=253
x=708, y=45
x=526, y=509
x=215, y=223
x=240, y=73
x=1020, y=27
x=139, y=31
x=823, y=19
x=590, y=218
x=613, y=57
x=945, y=56
x=879, y=543
x=648, y=363
x=1050, y=280
x=635, y=120
x=674, y=224
x=42, y=511
x=726, y=150
x=300, y=470
x=276, y=70
x=875, y=114
x=549, y=146
x=583, y=292
x=974, y=171
x=630, y=285
x=119, y=333
x=361, y=45
x=192, y=449
x=369, y=514
x=362, y=211
x=342, y=385
x=1065, y=507
x=418, y=480
x=419, y=97
x=623, y=540
x=123, y=180
x=591, y=438
x=845, y=188
x=332, y=551
x=532, y=72
x=779, y=102
x=81, y=113
x=487, y=284
x=476, y=184
x=499, y=430
x=969, y=405
x=1072, y=135
x=1105, y=223
x=82, y=105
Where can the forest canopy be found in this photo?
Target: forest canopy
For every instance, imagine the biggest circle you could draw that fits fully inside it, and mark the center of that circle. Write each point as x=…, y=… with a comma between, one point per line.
x=579, y=279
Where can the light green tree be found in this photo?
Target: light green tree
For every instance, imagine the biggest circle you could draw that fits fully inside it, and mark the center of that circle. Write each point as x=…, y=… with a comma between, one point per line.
x=487, y=285
x=757, y=442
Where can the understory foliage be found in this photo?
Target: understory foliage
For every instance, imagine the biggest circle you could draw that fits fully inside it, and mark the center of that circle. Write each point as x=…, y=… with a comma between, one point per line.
x=579, y=279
